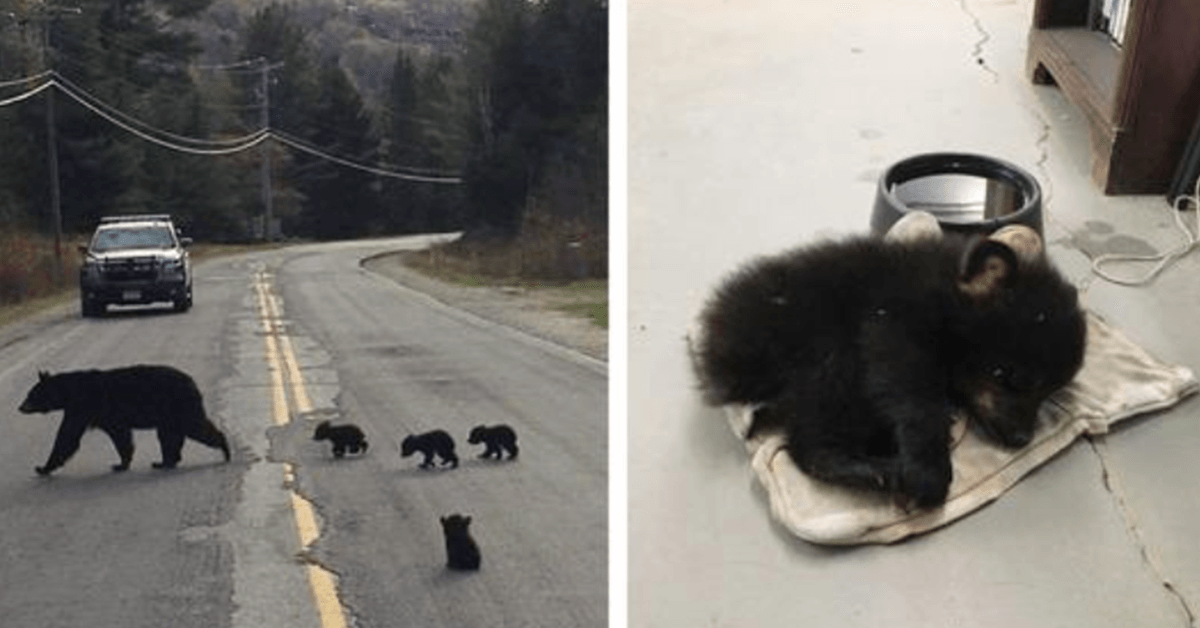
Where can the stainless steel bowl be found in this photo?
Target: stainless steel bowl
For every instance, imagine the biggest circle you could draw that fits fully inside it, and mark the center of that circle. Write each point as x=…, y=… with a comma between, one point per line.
x=970, y=194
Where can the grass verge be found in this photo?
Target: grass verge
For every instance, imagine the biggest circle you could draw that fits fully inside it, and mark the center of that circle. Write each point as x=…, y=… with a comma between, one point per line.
x=546, y=274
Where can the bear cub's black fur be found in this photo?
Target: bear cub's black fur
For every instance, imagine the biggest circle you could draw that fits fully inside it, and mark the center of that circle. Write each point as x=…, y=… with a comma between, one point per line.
x=435, y=442
x=344, y=438
x=859, y=349
x=119, y=401
x=462, y=553
x=497, y=440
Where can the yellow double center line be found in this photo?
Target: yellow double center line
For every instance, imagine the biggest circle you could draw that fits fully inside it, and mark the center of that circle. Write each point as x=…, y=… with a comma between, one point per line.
x=281, y=360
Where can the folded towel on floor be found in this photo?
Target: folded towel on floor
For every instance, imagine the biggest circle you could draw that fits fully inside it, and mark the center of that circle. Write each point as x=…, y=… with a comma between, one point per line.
x=1118, y=380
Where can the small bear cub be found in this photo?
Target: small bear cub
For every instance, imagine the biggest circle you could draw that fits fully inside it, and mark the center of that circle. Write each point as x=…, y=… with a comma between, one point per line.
x=344, y=437
x=436, y=442
x=497, y=440
x=462, y=553
x=858, y=350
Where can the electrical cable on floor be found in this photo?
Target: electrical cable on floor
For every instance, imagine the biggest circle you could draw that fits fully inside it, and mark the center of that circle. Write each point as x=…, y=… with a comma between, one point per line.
x=1191, y=241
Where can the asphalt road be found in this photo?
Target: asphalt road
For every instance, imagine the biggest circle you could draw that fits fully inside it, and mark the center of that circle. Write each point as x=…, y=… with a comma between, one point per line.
x=278, y=341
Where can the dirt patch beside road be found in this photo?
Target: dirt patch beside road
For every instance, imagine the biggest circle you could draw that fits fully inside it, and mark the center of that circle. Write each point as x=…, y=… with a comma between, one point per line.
x=536, y=311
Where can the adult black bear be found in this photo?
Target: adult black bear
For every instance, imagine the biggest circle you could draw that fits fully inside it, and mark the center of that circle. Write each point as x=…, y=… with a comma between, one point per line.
x=344, y=437
x=462, y=553
x=430, y=443
x=497, y=440
x=859, y=349
x=119, y=401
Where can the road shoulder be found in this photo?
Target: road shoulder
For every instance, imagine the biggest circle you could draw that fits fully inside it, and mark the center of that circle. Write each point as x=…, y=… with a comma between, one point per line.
x=522, y=309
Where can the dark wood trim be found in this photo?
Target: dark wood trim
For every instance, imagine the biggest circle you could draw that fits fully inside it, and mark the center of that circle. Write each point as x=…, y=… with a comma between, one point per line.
x=1141, y=101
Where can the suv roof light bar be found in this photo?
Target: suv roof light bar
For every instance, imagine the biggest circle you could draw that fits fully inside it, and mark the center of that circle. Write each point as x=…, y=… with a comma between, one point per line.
x=136, y=218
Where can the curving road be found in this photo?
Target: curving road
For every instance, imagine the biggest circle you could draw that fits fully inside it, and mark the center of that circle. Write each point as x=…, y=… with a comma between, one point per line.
x=278, y=341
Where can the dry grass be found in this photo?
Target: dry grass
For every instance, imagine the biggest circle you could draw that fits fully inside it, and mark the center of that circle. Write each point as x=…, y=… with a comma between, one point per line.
x=565, y=262
x=547, y=252
x=29, y=269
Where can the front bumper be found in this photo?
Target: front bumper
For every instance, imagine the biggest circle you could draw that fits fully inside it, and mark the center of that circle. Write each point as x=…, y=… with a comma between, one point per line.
x=134, y=292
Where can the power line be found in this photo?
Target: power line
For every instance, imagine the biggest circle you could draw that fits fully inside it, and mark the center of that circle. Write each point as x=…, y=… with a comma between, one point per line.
x=246, y=142
x=408, y=176
x=113, y=111
x=28, y=79
x=28, y=94
x=235, y=145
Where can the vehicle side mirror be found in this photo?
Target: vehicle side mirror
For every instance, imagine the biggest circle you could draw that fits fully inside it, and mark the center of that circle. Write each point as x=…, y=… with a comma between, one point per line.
x=185, y=242
x=83, y=250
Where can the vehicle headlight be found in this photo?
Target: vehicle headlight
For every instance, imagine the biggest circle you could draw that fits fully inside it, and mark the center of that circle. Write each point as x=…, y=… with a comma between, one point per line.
x=90, y=269
x=172, y=267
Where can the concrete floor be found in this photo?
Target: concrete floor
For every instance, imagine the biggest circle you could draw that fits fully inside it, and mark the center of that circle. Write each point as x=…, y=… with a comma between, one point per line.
x=757, y=126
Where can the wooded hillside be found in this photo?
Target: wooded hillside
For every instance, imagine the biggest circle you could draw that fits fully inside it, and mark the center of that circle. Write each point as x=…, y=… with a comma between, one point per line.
x=383, y=116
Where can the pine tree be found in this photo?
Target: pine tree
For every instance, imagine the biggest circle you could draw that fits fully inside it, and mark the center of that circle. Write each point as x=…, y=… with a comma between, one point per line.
x=117, y=52
x=340, y=201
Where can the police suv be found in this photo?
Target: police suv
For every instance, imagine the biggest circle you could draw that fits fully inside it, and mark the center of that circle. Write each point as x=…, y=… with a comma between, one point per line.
x=135, y=259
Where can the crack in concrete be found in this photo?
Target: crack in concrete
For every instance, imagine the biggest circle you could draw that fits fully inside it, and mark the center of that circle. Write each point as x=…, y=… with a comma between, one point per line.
x=1149, y=556
x=1043, y=156
x=984, y=37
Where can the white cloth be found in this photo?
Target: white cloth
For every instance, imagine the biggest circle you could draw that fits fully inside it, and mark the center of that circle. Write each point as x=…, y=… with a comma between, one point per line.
x=1118, y=380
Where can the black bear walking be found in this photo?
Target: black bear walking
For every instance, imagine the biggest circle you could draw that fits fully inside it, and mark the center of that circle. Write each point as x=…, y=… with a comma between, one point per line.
x=344, y=437
x=119, y=401
x=497, y=440
x=859, y=349
x=430, y=443
x=462, y=553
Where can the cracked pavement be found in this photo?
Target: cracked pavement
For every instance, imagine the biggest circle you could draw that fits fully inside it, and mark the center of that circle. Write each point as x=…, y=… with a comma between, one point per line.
x=752, y=129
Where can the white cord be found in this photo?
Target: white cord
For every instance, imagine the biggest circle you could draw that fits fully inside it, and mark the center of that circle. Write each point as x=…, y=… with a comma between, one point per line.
x=1191, y=240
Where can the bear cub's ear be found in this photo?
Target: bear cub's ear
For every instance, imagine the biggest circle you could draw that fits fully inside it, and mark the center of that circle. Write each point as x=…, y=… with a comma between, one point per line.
x=987, y=267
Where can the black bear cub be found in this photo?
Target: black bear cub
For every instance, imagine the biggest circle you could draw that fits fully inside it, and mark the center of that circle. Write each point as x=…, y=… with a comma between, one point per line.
x=436, y=442
x=462, y=553
x=497, y=440
x=859, y=349
x=344, y=437
x=119, y=401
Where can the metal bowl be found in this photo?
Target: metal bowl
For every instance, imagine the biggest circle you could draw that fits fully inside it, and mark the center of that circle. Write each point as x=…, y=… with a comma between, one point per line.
x=969, y=194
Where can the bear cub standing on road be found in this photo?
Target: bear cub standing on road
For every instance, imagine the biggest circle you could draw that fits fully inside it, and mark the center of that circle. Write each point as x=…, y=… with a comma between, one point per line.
x=119, y=401
x=462, y=553
x=344, y=437
x=497, y=439
x=859, y=349
x=430, y=443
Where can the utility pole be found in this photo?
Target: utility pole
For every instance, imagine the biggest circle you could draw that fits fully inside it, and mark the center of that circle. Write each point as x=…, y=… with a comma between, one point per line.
x=268, y=214
x=46, y=15
x=52, y=156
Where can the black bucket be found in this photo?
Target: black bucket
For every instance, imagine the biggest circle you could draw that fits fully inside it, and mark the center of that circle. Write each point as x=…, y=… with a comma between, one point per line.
x=969, y=194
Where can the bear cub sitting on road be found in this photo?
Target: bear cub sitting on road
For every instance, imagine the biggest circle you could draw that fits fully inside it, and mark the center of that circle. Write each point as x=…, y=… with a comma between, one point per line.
x=119, y=401
x=859, y=349
x=497, y=440
x=344, y=437
x=462, y=553
x=430, y=443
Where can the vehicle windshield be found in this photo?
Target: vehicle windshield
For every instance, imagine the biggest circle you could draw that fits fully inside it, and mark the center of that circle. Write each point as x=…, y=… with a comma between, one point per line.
x=152, y=237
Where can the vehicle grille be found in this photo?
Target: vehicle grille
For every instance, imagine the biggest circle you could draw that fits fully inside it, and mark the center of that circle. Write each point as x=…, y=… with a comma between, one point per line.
x=136, y=269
